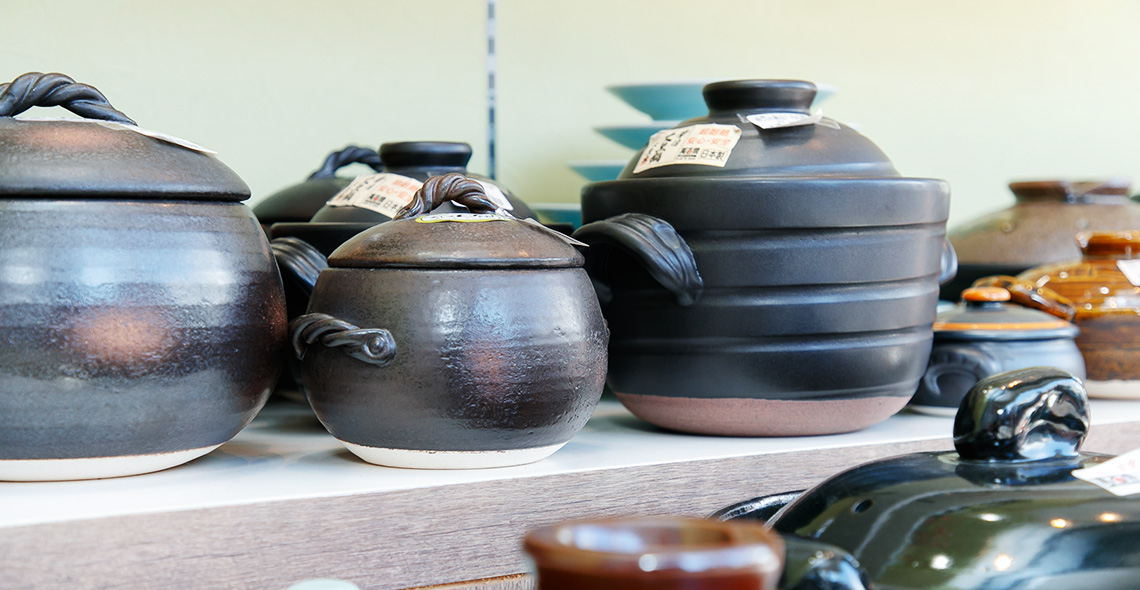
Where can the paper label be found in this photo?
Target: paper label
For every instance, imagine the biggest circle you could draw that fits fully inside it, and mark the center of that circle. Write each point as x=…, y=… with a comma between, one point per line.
x=1131, y=270
x=1119, y=475
x=133, y=128
x=557, y=234
x=707, y=145
x=384, y=193
x=462, y=218
x=781, y=120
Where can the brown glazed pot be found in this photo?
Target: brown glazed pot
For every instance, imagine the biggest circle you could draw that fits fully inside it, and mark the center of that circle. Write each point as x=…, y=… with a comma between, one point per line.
x=1107, y=308
x=1039, y=228
x=141, y=312
x=453, y=341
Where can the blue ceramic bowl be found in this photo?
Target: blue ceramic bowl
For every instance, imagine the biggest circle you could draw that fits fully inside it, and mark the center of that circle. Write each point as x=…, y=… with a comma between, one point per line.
x=635, y=136
x=598, y=170
x=681, y=100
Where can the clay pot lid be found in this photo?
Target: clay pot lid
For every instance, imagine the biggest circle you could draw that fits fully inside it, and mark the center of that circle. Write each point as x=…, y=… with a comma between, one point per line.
x=102, y=155
x=742, y=136
x=984, y=315
x=1112, y=191
x=485, y=238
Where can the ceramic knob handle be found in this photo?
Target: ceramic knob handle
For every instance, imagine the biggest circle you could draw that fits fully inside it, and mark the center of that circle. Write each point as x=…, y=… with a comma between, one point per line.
x=449, y=187
x=50, y=90
x=1032, y=414
x=1027, y=294
x=349, y=155
x=374, y=346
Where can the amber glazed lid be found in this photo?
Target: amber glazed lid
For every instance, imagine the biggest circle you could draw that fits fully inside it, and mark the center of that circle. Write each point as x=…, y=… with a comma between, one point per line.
x=102, y=155
x=1122, y=245
x=1091, y=192
x=984, y=315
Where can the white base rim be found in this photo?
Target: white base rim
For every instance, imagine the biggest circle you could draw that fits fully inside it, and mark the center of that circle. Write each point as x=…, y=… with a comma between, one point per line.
x=1114, y=389
x=94, y=467
x=934, y=410
x=416, y=459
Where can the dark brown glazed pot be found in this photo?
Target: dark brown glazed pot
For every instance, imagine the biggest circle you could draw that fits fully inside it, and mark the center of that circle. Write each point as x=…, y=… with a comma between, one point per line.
x=453, y=341
x=141, y=311
x=790, y=291
x=1107, y=304
x=298, y=203
x=1039, y=228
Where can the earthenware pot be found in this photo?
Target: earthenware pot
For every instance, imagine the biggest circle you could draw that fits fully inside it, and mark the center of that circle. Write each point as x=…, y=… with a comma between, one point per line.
x=141, y=311
x=1038, y=228
x=984, y=336
x=453, y=340
x=730, y=282
x=298, y=203
x=1006, y=510
x=1103, y=289
x=665, y=553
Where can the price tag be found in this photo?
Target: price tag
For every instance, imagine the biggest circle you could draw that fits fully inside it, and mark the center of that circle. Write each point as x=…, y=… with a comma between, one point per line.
x=706, y=145
x=462, y=218
x=1131, y=270
x=781, y=120
x=384, y=193
x=1119, y=475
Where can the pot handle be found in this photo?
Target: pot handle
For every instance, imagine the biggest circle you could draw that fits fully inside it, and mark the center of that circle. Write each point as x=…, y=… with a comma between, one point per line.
x=449, y=187
x=300, y=260
x=374, y=346
x=49, y=90
x=349, y=155
x=948, y=263
x=948, y=359
x=1033, y=414
x=654, y=243
x=1027, y=294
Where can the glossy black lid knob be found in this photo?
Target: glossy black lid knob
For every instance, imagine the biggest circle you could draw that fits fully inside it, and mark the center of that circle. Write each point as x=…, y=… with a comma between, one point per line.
x=425, y=154
x=753, y=95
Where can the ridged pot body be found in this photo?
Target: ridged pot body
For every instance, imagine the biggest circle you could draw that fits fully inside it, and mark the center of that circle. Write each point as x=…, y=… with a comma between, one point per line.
x=819, y=297
x=486, y=360
x=133, y=327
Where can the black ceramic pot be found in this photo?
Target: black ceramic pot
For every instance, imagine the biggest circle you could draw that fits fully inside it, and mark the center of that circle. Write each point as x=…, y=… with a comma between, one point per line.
x=141, y=313
x=787, y=290
x=453, y=340
x=983, y=336
x=298, y=203
x=1006, y=510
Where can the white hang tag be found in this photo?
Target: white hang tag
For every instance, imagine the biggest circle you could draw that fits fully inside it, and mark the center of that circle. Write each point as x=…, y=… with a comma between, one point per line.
x=133, y=128
x=462, y=217
x=708, y=144
x=555, y=233
x=1131, y=270
x=1119, y=475
x=495, y=195
x=782, y=120
x=384, y=193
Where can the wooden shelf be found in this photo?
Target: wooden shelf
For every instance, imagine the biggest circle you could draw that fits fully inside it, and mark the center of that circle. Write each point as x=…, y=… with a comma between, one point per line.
x=283, y=502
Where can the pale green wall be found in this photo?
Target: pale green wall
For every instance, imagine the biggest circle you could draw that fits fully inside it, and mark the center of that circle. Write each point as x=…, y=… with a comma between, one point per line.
x=978, y=92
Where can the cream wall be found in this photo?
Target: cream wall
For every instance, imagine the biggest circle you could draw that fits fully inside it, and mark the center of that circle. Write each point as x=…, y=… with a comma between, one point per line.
x=977, y=92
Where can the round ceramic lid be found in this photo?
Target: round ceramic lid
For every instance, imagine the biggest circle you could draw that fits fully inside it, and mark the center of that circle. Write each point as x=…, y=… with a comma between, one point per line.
x=102, y=155
x=984, y=315
x=486, y=238
x=760, y=128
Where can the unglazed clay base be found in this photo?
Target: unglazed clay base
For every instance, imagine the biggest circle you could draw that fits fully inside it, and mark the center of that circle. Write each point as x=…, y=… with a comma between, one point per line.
x=413, y=459
x=761, y=417
x=1113, y=389
x=94, y=467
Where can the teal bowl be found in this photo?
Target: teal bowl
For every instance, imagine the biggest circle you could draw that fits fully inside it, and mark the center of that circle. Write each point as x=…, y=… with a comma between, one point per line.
x=565, y=213
x=598, y=170
x=635, y=136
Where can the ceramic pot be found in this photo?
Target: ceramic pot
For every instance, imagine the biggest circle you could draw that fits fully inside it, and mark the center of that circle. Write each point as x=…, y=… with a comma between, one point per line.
x=730, y=284
x=983, y=336
x=1038, y=228
x=453, y=341
x=142, y=313
x=1107, y=303
x=1006, y=510
x=298, y=203
x=666, y=553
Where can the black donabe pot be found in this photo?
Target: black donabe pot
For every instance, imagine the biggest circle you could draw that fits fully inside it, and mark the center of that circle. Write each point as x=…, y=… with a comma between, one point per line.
x=789, y=292
x=1004, y=511
x=298, y=203
x=141, y=314
x=454, y=340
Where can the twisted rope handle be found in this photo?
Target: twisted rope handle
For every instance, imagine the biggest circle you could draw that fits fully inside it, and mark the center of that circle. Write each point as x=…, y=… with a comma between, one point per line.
x=374, y=346
x=449, y=187
x=49, y=90
x=349, y=155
